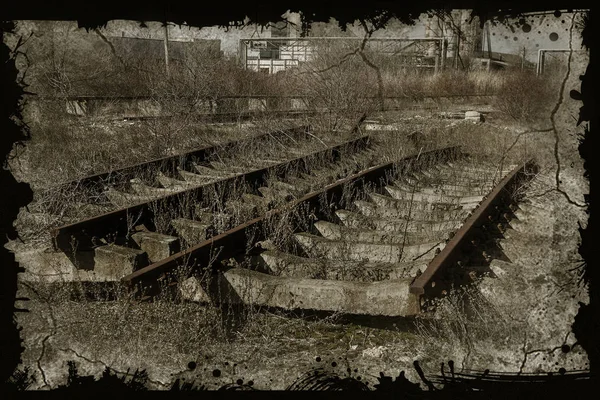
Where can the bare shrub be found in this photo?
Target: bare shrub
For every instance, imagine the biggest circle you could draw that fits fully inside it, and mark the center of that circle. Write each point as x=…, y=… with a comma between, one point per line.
x=523, y=96
x=464, y=320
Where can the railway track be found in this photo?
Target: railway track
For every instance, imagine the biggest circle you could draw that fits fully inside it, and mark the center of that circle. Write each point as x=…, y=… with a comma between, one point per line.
x=433, y=225
x=383, y=241
x=430, y=222
x=172, y=165
x=202, y=198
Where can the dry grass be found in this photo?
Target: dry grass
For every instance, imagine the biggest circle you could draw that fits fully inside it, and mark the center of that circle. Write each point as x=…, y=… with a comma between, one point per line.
x=464, y=322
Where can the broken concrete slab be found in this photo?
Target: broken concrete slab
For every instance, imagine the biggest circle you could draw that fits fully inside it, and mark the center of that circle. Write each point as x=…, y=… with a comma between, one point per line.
x=448, y=186
x=113, y=262
x=191, y=290
x=405, y=204
x=459, y=178
x=189, y=230
x=477, y=167
x=444, y=189
x=391, y=298
x=156, y=245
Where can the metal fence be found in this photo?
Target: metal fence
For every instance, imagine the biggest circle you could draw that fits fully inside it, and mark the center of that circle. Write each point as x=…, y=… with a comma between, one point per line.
x=277, y=54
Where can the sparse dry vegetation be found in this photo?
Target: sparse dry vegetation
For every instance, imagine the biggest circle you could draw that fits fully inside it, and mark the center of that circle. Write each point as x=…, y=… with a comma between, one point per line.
x=340, y=84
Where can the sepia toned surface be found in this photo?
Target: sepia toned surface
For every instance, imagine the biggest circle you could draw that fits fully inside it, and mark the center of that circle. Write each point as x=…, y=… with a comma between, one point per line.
x=515, y=319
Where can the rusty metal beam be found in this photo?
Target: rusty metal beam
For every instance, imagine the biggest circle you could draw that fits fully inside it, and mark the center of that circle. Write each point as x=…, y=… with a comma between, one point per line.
x=460, y=244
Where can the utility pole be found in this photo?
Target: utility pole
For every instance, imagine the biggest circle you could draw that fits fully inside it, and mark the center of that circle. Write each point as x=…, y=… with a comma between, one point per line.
x=489, y=39
x=167, y=47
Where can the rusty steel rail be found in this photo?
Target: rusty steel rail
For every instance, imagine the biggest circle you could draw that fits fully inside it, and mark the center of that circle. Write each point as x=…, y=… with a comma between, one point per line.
x=434, y=279
x=170, y=163
x=82, y=233
x=234, y=241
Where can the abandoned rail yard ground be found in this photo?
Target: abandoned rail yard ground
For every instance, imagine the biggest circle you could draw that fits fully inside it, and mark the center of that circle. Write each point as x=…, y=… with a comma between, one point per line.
x=370, y=217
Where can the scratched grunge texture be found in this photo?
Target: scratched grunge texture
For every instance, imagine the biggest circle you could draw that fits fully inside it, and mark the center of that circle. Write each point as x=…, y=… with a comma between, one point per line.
x=528, y=313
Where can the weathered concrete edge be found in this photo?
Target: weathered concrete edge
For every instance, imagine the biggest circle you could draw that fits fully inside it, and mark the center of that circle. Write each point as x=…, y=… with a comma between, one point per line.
x=385, y=298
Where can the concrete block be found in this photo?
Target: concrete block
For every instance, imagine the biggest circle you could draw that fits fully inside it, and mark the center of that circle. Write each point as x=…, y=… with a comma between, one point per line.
x=172, y=183
x=473, y=168
x=406, y=204
x=142, y=189
x=454, y=190
x=123, y=199
x=473, y=116
x=206, y=171
x=191, y=290
x=113, y=262
x=190, y=231
x=156, y=245
x=197, y=179
x=355, y=220
x=390, y=298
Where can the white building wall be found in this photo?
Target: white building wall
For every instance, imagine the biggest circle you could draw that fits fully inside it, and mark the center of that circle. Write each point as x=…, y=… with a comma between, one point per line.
x=538, y=32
